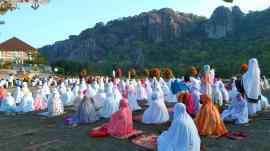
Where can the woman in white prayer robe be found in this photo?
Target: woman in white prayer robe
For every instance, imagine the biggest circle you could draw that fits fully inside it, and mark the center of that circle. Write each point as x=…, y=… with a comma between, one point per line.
x=8, y=103
x=101, y=84
x=46, y=89
x=117, y=95
x=251, y=85
x=99, y=98
x=83, y=86
x=159, y=89
x=168, y=95
x=216, y=93
x=157, y=112
x=110, y=106
x=132, y=101
x=67, y=98
x=182, y=135
x=264, y=103
x=17, y=95
x=140, y=93
x=154, y=83
x=95, y=86
x=237, y=112
x=233, y=90
x=62, y=89
x=161, y=81
x=148, y=91
x=27, y=103
x=75, y=90
x=90, y=92
x=123, y=86
x=195, y=92
x=223, y=91
x=78, y=99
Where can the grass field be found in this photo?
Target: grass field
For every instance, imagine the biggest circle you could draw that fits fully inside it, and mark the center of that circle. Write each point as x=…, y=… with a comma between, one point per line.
x=77, y=138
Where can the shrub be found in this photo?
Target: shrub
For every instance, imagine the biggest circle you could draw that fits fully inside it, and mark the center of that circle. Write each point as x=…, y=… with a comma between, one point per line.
x=132, y=73
x=155, y=73
x=169, y=73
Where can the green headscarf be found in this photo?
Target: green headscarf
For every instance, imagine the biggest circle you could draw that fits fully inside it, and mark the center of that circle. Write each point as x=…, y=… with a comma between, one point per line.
x=206, y=69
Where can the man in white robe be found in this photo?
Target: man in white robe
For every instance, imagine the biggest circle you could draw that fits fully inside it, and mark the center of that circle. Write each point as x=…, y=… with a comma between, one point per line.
x=251, y=85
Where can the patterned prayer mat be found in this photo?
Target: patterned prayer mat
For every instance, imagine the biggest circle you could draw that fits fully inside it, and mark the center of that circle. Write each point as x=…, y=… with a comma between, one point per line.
x=148, y=141
x=233, y=135
x=134, y=133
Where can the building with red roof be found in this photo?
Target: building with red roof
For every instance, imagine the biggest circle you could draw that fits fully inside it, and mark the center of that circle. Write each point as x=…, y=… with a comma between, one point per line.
x=16, y=51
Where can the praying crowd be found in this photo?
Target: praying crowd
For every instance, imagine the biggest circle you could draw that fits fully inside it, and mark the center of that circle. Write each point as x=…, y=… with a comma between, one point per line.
x=195, y=105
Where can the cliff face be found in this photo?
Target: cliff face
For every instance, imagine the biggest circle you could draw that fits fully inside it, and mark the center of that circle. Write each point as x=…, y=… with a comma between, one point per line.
x=120, y=35
x=220, y=23
x=164, y=38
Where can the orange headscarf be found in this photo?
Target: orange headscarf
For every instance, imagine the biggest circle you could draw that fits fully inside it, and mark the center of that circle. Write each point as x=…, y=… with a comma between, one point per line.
x=209, y=121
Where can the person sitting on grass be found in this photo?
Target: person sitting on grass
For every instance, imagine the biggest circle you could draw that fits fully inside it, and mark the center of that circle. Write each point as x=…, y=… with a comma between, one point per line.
x=27, y=101
x=55, y=106
x=8, y=103
x=99, y=98
x=77, y=100
x=237, y=112
x=209, y=121
x=132, y=101
x=86, y=112
x=110, y=106
x=182, y=135
x=157, y=112
x=120, y=124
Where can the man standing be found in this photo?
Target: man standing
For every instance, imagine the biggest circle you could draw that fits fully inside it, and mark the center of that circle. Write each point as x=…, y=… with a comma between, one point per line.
x=10, y=80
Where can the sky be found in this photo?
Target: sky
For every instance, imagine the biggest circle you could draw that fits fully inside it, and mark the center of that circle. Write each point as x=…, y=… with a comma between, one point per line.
x=60, y=18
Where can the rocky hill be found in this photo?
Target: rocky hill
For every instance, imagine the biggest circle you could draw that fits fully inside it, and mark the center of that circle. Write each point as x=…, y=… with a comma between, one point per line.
x=167, y=38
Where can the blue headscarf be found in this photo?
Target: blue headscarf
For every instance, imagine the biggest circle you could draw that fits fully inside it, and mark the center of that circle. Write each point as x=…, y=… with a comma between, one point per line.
x=178, y=86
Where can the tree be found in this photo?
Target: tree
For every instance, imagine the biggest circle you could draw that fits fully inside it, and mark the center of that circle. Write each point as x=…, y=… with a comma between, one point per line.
x=119, y=73
x=5, y=6
x=155, y=73
x=169, y=73
x=39, y=59
x=243, y=68
x=228, y=1
x=8, y=65
x=84, y=72
x=146, y=73
x=192, y=71
x=132, y=73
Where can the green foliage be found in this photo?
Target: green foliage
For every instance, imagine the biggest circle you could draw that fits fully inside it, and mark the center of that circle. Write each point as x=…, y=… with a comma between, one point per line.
x=39, y=59
x=69, y=67
x=229, y=1
x=8, y=65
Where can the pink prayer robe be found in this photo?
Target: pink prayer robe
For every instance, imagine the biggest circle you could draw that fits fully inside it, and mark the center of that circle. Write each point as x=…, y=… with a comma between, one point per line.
x=121, y=121
x=206, y=85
